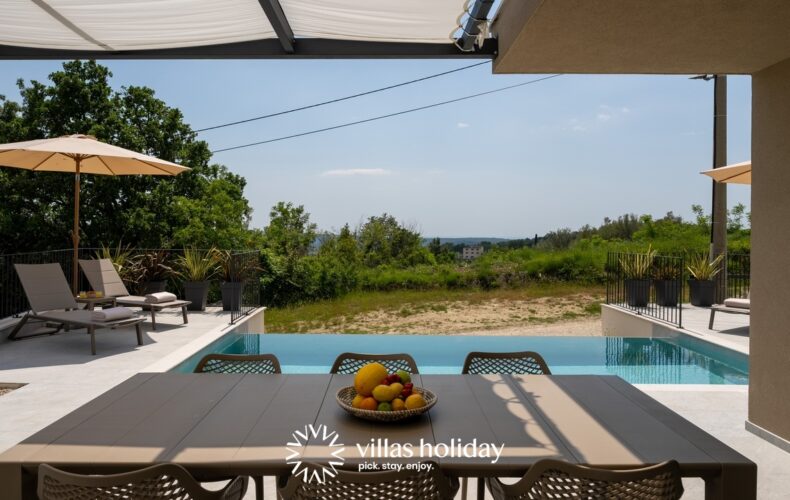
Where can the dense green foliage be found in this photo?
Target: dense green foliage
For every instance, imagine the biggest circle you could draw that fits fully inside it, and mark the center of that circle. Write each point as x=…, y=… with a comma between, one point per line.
x=384, y=255
x=201, y=208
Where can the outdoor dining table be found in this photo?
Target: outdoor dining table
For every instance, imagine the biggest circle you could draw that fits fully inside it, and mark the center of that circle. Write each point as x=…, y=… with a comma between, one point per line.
x=218, y=425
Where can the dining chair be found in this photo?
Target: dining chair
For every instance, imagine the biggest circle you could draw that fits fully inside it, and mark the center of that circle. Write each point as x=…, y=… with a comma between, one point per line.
x=348, y=363
x=260, y=364
x=239, y=363
x=426, y=484
x=159, y=482
x=555, y=480
x=516, y=363
x=487, y=363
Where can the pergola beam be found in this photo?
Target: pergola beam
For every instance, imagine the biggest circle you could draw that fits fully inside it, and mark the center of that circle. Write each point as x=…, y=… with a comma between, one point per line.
x=306, y=48
x=279, y=22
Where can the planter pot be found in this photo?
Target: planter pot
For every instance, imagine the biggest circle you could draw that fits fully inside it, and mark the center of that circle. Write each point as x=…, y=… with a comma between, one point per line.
x=637, y=292
x=667, y=292
x=702, y=292
x=154, y=286
x=231, y=295
x=197, y=293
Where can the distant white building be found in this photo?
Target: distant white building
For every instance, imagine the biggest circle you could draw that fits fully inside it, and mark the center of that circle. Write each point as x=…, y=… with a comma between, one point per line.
x=472, y=252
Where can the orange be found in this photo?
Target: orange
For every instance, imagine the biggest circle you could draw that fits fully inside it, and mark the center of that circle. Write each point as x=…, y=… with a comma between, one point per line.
x=368, y=377
x=368, y=404
x=398, y=404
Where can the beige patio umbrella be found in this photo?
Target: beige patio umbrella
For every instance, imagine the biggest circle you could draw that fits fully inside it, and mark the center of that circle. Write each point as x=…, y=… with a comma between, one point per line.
x=81, y=154
x=738, y=173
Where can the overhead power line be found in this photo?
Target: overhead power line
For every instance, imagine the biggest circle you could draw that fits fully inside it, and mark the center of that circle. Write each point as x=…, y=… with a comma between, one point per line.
x=390, y=115
x=340, y=99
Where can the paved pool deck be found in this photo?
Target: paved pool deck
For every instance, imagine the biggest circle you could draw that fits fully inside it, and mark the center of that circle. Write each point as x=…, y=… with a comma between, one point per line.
x=61, y=375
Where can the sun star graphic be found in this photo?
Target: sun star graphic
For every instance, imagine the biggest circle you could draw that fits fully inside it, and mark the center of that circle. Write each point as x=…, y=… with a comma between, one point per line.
x=320, y=436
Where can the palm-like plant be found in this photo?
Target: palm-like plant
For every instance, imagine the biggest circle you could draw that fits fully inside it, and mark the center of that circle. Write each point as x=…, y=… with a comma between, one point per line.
x=153, y=266
x=197, y=265
x=639, y=265
x=702, y=267
x=234, y=269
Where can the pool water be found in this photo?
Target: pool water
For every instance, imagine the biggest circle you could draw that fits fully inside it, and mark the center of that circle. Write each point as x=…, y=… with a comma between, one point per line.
x=677, y=360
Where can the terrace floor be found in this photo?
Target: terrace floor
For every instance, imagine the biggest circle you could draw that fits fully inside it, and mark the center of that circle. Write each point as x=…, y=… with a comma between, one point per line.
x=61, y=375
x=730, y=330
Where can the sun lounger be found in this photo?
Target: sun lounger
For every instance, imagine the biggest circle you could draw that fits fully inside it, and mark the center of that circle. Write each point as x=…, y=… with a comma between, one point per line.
x=50, y=300
x=104, y=278
x=730, y=306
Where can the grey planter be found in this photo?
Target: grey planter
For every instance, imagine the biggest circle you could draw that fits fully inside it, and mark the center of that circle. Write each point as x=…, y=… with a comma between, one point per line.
x=637, y=292
x=702, y=293
x=154, y=286
x=231, y=295
x=197, y=293
x=667, y=292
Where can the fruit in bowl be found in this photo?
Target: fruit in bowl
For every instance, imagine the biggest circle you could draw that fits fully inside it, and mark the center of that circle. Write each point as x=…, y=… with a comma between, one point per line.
x=377, y=390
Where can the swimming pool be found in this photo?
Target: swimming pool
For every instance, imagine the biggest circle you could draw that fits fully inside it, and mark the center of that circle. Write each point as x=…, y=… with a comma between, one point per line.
x=677, y=360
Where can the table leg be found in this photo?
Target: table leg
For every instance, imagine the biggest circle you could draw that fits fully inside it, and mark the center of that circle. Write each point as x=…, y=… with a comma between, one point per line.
x=11, y=479
x=153, y=319
x=736, y=482
x=184, y=314
x=92, y=332
x=481, y=488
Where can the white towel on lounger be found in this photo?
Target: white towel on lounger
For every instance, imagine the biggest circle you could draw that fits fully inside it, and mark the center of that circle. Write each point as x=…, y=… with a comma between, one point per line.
x=112, y=314
x=160, y=297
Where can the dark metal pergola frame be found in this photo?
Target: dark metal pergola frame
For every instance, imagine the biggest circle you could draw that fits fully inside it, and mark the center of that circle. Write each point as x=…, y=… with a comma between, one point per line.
x=286, y=45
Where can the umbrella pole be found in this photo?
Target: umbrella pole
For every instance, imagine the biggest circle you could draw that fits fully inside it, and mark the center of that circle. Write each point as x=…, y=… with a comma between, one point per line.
x=75, y=234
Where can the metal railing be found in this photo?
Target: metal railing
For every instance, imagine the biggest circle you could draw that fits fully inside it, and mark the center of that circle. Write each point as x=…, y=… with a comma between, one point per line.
x=734, y=279
x=13, y=301
x=653, y=288
x=248, y=266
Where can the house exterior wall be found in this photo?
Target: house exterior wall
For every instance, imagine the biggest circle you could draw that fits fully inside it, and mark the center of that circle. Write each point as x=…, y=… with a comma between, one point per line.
x=769, y=378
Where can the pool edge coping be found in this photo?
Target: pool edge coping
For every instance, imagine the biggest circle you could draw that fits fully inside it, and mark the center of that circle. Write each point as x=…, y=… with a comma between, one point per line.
x=184, y=352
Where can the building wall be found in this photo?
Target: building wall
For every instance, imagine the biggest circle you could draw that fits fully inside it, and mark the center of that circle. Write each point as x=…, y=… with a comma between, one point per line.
x=769, y=378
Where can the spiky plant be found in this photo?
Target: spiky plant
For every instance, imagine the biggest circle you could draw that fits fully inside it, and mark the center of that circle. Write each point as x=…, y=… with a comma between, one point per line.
x=702, y=267
x=197, y=265
x=639, y=265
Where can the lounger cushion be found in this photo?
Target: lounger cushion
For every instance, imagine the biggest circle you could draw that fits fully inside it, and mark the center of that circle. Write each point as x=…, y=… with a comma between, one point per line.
x=738, y=303
x=112, y=314
x=160, y=297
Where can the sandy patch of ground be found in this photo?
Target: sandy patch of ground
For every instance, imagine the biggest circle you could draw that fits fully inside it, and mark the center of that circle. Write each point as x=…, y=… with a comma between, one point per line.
x=576, y=314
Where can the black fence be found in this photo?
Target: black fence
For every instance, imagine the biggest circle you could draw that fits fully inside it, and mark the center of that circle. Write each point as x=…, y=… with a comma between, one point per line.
x=659, y=290
x=652, y=287
x=733, y=280
x=247, y=266
x=243, y=264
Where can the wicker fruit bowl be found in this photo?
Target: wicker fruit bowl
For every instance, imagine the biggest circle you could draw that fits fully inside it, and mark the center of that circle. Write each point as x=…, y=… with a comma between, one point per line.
x=346, y=395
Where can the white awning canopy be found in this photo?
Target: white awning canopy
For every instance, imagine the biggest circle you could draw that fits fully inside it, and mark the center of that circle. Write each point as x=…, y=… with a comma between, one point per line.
x=139, y=25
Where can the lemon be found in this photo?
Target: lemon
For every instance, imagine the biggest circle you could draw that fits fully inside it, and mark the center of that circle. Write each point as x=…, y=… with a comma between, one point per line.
x=368, y=377
x=396, y=388
x=384, y=393
x=398, y=404
x=415, y=401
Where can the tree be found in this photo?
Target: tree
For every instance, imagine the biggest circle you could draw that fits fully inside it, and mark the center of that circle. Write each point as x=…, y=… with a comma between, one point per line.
x=290, y=233
x=383, y=240
x=202, y=207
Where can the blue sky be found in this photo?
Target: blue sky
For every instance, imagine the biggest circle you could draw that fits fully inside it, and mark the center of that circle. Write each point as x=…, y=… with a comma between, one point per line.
x=560, y=153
